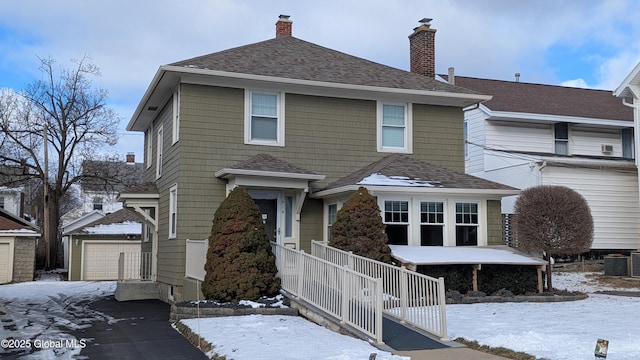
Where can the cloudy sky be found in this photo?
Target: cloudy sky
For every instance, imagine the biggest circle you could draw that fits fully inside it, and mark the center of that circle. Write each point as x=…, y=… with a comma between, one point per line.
x=587, y=43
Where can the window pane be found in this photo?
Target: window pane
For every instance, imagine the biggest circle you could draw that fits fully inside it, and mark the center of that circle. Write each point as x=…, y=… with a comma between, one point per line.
x=264, y=105
x=561, y=131
x=396, y=211
x=466, y=235
x=431, y=235
x=466, y=213
x=264, y=128
x=393, y=115
x=393, y=137
x=627, y=143
x=397, y=234
x=288, y=216
x=562, y=147
x=333, y=211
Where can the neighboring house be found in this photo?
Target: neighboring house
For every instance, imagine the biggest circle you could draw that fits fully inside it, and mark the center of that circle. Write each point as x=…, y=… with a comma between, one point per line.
x=301, y=126
x=628, y=93
x=94, y=248
x=101, y=185
x=17, y=248
x=534, y=134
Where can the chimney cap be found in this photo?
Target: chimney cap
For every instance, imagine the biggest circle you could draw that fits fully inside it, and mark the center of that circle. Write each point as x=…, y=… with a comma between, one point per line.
x=284, y=17
x=425, y=21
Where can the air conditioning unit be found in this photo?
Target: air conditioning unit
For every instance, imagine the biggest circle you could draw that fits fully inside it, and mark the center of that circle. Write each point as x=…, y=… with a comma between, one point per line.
x=606, y=148
x=635, y=264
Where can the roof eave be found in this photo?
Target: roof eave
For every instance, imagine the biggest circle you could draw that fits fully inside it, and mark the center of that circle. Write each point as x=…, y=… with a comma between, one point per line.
x=162, y=83
x=535, y=117
x=417, y=190
x=631, y=81
x=226, y=172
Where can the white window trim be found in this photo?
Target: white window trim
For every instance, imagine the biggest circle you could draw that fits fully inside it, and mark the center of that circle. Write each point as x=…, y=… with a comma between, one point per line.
x=159, y=150
x=567, y=140
x=280, y=118
x=408, y=133
x=149, y=137
x=480, y=208
x=175, y=134
x=173, y=211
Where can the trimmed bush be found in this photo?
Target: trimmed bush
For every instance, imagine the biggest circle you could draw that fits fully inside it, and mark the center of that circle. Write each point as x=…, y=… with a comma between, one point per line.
x=240, y=264
x=519, y=280
x=359, y=228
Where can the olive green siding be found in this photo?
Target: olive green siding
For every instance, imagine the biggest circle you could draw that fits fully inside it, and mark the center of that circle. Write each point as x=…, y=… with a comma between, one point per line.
x=494, y=223
x=329, y=136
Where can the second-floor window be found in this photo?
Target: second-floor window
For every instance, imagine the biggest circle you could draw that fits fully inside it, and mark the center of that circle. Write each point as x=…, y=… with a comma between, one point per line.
x=627, y=143
x=159, y=149
x=264, y=118
x=561, y=134
x=175, y=134
x=97, y=203
x=394, y=128
x=148, y=137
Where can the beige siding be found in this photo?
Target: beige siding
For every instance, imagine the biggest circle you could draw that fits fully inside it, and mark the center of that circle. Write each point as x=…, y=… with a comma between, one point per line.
x=311, y=223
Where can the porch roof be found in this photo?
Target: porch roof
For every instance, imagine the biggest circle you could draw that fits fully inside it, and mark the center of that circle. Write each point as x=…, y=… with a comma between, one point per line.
x=456, y=255
x=269, y=166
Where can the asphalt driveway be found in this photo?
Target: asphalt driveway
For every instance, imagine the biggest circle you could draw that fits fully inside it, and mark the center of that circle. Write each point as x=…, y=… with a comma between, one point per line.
x=138, y=330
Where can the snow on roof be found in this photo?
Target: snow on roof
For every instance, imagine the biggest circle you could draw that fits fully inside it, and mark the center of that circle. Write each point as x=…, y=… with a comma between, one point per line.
x=379, y=179
x=449, y=255
x=15, y=231
x=127, y=227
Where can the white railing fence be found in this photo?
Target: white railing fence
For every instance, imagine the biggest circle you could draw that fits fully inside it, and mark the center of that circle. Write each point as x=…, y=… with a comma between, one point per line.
x=351, y=297
x=410, y=297
x=134, y=266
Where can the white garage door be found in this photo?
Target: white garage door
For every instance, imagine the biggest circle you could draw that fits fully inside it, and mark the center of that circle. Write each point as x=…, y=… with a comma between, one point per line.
x=4, y=263
x=101, y=259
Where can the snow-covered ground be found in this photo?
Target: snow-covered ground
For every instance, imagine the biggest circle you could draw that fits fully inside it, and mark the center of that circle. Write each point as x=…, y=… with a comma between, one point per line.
x=566, y=330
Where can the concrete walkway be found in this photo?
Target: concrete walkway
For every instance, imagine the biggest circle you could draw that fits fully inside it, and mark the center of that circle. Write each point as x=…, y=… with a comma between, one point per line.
x=452, y=353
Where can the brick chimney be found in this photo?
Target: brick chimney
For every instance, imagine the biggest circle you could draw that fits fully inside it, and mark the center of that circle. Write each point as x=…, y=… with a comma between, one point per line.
x=131, y=158
x=283, y=26
x=422, y=47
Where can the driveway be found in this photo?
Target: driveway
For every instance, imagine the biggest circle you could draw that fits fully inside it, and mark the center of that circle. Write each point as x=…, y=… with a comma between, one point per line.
x=82, y=320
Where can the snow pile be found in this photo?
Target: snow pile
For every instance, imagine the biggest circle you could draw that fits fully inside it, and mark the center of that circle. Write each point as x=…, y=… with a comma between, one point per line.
x=127, y=227
x=383, y=180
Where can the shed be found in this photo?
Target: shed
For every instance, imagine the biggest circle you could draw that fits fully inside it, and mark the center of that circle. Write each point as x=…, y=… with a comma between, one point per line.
x=17, y=248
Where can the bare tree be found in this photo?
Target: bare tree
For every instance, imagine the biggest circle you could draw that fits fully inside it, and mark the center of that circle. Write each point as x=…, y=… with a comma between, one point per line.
x=62, y=118
x=555, y=220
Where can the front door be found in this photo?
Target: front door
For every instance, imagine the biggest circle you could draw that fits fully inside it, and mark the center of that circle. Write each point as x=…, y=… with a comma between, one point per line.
x=269, y=211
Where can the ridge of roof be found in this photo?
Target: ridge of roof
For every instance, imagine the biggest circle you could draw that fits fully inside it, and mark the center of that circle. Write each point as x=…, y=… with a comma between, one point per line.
x=290, y=57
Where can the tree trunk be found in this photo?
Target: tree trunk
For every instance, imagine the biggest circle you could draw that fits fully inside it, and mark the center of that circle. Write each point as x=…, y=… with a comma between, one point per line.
x=50, y=231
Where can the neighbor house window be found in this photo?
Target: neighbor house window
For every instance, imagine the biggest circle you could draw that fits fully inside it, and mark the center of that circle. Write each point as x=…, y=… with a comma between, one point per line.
x=159, y=149
x=97, y=203
x=394, y=127
x=176, y=115
x=431, y=223
x=466, y=224
x=332, y=212
x=173, y=211
x=627, y=143
x=561, y=133
x=264, y=118
x=396, y=218
x=148, y=136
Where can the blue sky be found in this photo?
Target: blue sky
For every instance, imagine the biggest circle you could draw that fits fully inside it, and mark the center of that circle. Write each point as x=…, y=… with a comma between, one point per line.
x=585, y=43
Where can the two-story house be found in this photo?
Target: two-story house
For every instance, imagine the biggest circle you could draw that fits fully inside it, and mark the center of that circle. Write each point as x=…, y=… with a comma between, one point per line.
x=534, y=134
x=301, y=126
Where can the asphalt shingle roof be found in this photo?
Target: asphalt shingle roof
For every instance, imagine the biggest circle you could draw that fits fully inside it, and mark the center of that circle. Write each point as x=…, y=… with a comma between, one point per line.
x=398, y=165
x=292, y=58
x=270, y=163
x=524, y=97
x=120, y=216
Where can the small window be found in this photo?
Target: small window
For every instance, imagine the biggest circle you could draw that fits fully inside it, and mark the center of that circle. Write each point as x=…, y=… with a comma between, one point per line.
x=173, y=211
x=627, y=143
x=466, y=224
x=396, y=218
x=264, y=119
x=1, y=202
x=561, y=131
x=148, y=137
x=332, y=212
x=431, y=223
x=176, y=115
x=394, y=128
x=97, y=203
x=159, y=149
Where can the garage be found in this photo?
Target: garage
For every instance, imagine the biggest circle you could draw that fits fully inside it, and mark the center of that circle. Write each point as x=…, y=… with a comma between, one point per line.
x=100, y=259
x=5, y=261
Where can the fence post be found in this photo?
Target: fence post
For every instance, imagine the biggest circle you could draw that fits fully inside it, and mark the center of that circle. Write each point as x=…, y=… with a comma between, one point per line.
x=378, y=311
x=404, y=293
x=350, y=260
x=344, y=316
x=300, y=273
x=442, y=300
